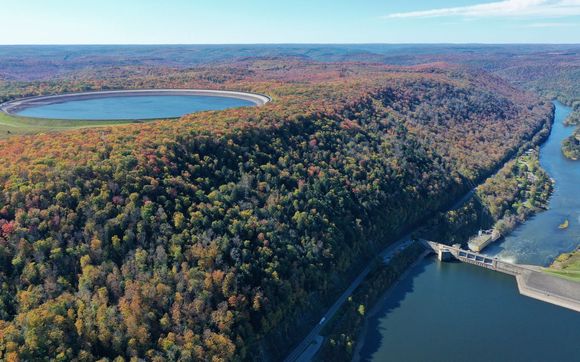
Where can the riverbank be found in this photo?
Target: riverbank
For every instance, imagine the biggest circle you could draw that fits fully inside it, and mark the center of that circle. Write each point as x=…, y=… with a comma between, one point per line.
x=378, y=304
x=567, y=266
x=571, y=145
x=518, y=190
x=537, y=135
x=521, y=189
x=540, y=240
x=528, y=188
x=342, y=332
x=532, y=281
x=402, y=308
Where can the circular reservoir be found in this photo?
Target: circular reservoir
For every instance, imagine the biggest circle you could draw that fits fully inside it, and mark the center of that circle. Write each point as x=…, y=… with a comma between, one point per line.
x=130, y=104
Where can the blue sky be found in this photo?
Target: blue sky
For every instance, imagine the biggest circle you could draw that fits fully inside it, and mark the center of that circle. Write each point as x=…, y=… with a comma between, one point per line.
x=288, y=21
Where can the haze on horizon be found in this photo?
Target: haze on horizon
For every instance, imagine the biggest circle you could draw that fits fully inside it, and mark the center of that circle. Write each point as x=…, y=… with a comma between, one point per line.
x=301, y=21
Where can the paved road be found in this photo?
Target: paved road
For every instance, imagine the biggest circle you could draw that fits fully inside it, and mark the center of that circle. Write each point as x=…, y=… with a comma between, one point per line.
x=298, y=354
x=303, y=352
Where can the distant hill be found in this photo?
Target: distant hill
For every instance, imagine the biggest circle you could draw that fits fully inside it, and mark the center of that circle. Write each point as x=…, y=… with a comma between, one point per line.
x=550, y=70
x=42, y=62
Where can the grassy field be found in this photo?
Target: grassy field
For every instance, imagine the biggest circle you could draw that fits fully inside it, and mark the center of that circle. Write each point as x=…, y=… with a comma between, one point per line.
x=13, y=125
x=567, y=266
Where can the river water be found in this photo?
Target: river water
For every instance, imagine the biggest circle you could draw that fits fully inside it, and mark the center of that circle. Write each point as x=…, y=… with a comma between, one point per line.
x=132, y=107
x=539, y=241
x=459, y=312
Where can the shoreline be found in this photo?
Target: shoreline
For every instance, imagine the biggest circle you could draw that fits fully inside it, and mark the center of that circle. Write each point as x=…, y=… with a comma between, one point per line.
x=379, y=303
x=13, y=106
x=542, y=286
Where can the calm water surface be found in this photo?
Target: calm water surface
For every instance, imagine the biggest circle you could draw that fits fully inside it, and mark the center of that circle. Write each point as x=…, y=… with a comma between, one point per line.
x=458, y=312
x=132, y=107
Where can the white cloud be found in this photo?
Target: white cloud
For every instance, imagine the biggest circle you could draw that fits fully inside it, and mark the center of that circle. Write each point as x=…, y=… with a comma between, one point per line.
x=549, y=25
x=506, y=8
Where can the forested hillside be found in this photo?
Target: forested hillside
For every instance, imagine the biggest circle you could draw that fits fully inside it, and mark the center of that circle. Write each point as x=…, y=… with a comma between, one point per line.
x=554, y=75
x=208, y=237
x=571, y=146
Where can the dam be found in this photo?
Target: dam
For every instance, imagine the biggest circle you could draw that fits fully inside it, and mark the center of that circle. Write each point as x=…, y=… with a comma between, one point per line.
x=532, y=280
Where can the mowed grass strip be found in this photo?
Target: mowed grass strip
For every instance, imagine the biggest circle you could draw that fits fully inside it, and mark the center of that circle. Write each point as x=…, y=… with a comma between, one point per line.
x=16, y=125
x=567, y=266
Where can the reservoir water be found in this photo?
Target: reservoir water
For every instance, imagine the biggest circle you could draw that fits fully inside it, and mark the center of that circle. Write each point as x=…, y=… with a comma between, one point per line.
x=458, y=312
x=132, y=107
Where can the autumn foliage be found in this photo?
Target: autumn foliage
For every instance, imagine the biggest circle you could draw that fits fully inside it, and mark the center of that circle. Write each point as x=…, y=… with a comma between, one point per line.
x=208, y=237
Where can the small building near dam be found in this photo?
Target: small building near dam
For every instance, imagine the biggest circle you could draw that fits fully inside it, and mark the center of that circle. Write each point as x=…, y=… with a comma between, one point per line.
x=483, y=239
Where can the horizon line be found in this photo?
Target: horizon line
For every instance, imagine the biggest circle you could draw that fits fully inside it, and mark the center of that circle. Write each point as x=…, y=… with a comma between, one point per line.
x=289, y=43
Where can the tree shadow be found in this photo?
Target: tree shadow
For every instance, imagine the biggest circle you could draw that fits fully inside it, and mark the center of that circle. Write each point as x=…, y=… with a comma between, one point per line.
x=389, y=302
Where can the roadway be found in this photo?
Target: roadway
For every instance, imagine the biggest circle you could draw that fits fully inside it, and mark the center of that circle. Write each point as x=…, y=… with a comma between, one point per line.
x=313, y=341
x=306, y=350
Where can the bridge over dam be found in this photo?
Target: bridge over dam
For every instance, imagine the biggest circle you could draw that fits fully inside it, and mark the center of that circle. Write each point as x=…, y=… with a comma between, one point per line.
x=532, y=281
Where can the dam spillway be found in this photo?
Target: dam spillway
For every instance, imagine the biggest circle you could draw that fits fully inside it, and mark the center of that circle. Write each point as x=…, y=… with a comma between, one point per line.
x=532, y=280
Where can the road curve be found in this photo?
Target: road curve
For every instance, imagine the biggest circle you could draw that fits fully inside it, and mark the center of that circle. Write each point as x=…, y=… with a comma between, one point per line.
x=301, y=352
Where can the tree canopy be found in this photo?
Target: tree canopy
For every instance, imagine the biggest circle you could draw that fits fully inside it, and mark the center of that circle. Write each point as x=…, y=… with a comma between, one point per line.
x=208, y=237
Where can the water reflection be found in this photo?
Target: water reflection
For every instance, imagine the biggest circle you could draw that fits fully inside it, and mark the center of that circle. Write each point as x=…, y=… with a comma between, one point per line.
x=458, y=312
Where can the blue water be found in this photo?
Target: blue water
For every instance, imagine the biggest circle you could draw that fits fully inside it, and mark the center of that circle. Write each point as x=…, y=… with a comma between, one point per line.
x=132, y=107
x=539, y=240
x=459, y=312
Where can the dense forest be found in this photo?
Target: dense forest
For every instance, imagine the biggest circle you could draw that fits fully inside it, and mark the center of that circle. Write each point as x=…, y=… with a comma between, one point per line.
x=550, y=70
x=520, y=189
x=571, y=146
x=209, y=237
x=341, y=336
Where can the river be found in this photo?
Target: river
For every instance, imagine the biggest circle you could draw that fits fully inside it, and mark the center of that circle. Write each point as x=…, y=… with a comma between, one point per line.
x=458, y=312
x=539, y=241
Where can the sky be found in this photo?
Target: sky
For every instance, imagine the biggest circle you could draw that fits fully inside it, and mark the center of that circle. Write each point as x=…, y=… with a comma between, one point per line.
x=288, y=21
